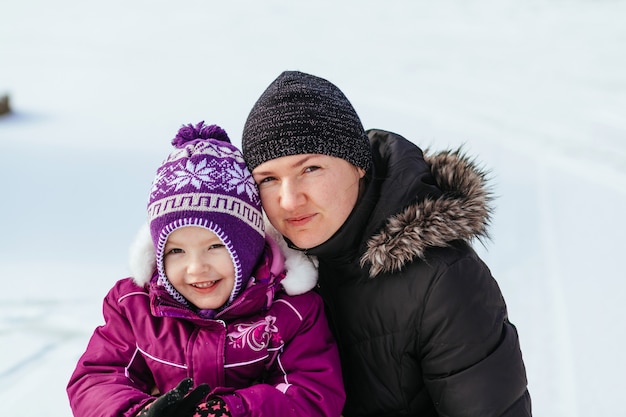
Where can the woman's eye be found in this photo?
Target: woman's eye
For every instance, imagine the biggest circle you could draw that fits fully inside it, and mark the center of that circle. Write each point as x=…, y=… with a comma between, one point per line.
x=311, y=168
x=266, y=180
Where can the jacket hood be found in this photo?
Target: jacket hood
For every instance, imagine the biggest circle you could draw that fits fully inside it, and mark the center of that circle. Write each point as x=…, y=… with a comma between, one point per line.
x=300, y=276
x=461, y=212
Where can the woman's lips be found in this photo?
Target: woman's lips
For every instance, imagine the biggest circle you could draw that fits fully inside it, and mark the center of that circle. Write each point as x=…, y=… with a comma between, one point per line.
x=300, y=220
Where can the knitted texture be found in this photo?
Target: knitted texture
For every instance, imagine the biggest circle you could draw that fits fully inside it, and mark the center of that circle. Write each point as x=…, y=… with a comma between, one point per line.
x=204, y=182
x=300, y=114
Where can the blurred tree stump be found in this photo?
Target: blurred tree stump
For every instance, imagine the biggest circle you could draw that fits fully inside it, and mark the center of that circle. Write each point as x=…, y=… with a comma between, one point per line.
x=4, y=104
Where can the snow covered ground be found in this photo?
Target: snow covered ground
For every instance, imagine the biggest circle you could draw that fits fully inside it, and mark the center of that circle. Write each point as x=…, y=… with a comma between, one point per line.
x=535, y=89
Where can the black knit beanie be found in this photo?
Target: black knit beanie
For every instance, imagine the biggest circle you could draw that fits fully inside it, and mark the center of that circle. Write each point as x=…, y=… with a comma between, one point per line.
x=300, y=113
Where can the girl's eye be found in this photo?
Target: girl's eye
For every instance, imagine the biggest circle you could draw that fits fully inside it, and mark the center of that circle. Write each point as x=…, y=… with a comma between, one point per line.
x=216, y=246
x=174, y=250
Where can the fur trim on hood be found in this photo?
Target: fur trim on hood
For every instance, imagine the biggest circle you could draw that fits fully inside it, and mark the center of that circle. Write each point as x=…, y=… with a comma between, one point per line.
x=142, y=258
x=301, y=270
x=462, y=212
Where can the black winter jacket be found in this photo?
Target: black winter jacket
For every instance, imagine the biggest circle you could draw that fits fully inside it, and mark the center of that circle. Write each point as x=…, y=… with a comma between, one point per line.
x=421, y=324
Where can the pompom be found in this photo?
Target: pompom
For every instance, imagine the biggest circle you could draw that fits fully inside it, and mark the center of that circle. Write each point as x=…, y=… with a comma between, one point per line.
x=189, y=133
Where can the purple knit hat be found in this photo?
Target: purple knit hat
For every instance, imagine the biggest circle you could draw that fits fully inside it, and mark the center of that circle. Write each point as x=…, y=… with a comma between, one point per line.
x=205, y=182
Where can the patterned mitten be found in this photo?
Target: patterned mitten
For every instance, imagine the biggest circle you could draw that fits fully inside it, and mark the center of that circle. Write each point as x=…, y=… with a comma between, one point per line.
x=214, y=407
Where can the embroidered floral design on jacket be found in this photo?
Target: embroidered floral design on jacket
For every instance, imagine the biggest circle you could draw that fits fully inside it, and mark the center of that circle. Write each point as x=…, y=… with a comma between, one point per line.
x=256, y=336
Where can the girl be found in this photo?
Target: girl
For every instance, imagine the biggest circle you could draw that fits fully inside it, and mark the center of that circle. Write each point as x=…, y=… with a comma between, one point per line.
x=211, y=323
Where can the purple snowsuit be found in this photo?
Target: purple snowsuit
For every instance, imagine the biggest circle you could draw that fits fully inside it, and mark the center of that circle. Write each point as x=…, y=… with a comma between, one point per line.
x=267, y=354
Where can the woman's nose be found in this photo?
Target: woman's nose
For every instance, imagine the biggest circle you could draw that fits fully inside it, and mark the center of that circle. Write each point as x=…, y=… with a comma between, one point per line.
x=290, y=196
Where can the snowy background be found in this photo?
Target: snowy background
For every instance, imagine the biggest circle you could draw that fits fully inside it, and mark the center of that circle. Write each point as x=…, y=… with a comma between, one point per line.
x=535, y=89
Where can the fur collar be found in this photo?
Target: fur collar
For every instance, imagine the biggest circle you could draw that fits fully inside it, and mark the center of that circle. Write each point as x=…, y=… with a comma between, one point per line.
x=301, y=271
x=462, y=212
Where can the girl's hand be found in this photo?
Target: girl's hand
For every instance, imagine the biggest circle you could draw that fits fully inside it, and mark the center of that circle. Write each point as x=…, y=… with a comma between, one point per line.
x=178, y=402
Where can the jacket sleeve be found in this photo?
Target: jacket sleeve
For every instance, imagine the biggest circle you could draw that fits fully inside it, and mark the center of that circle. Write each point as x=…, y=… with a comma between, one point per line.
x=107, y=380
x=471, y=357
x=305, y=378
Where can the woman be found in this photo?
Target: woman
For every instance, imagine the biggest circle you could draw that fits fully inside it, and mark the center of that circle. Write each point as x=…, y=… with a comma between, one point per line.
x=421, y=324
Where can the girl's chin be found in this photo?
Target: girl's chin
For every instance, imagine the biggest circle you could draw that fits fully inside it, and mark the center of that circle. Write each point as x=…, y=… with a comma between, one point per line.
x=209, y=306
x=212, y=304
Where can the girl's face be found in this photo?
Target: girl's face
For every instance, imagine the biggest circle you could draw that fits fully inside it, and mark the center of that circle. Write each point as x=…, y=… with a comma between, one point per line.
x=308, y=197
x=199, y=266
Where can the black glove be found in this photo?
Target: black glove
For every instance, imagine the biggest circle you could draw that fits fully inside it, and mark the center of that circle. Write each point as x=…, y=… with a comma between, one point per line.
x=178, y=402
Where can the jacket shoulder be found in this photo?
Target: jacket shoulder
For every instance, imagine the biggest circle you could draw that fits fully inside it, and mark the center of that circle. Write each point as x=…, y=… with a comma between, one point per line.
x=461, y=212
x=309, y=303
x=123, y=289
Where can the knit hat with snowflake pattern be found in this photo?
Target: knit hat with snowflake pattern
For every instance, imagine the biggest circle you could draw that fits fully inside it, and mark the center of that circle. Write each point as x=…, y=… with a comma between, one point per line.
x=205, y=182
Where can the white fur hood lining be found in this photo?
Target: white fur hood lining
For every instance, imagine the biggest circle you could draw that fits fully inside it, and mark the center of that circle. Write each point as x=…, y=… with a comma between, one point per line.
x=301, y=270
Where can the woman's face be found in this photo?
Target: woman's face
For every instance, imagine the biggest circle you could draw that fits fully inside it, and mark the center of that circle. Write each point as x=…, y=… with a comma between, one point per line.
x=308, y=197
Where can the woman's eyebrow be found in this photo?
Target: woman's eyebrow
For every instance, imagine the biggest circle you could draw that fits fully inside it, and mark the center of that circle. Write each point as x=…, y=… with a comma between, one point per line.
x=296, y=164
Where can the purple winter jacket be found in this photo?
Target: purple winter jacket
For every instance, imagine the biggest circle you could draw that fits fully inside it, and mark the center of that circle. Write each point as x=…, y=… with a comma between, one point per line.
x=267, y=354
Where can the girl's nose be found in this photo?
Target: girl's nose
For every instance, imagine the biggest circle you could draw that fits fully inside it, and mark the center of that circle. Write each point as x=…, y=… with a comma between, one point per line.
x=197, y=265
